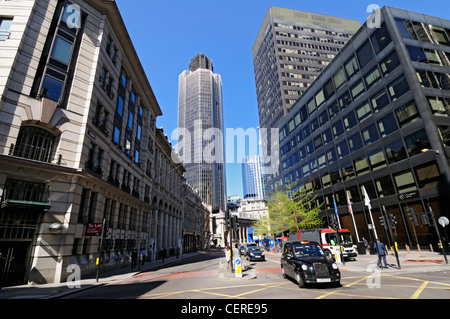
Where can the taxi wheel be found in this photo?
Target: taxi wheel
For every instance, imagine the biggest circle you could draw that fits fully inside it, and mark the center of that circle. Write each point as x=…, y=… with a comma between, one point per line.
x=283, y=272
x=299, y=279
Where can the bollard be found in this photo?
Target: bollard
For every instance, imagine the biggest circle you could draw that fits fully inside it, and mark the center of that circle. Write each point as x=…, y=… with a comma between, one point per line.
x=407, y=249
x=418, y=247
x=431, y=248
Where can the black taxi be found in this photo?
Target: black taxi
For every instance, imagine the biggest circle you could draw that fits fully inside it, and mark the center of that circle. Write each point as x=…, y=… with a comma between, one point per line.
x=305, y=262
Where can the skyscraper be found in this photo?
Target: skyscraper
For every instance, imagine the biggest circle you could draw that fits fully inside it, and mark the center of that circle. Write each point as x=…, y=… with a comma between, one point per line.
x=254, y=185
x=290, y=51
x=200, y=127
x=382, y=129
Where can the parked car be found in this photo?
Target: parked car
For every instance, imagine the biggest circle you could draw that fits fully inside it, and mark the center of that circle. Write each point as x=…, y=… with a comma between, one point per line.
x=305, y=262
x=255, y=253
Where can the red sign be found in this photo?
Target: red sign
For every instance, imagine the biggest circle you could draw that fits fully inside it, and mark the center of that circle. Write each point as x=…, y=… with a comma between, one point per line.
x=94, y=229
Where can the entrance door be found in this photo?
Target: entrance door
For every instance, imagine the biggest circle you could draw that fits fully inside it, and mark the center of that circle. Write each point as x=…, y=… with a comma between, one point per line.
x=14, y=262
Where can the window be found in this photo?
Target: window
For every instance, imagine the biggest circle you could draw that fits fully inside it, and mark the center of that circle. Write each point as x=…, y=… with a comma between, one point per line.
x=339, y=79
x=347, y=171
x=372, y=77
x=320, y=98
x=377, y=159
x=427, y=175
x=62, y=50
x=439, y=106
x=416, y=142
x=35, y=143
x=440, y=35
x=363, y=111
x=384, y=186
x=407, y=114
x=370, y=134
x=361, y=166
x=357, y=89
x=379, y=100
x=342, y=149
x=55, y=68
x=323, y=117
x=401, y=26
x=389, y=63
x=387, y=125
x=5, y=25
x=338, y=129
x=365, y=54
x=311, y=105
x=355, y=142
x=52, y=88
x=328, y=89
x=349, y=121
x=331, y=156
x=380, y=38
x=344, y=100
x=351, y=67
x=333, y=109
x=395, y=152
x=404, y=182
x=398, y=87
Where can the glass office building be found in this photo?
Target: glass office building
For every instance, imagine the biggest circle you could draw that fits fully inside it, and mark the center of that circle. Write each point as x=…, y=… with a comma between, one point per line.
x=364, y=122
x=253, y=181
x=199, y=119
x=290, y=51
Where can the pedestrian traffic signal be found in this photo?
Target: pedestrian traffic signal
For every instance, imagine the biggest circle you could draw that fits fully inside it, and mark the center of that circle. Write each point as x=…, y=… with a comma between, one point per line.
x=383, y=221
x=412, y=215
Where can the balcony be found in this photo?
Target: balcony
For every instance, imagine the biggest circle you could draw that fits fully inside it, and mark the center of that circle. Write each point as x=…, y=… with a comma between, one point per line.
x=33, y=152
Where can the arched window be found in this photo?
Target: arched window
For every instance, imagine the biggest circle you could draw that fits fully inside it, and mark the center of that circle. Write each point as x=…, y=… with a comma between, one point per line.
x=35, y=143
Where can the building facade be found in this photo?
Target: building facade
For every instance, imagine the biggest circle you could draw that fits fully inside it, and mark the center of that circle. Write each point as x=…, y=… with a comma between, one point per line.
x=79, y=151
x=363, y=123
x=253, y=179
x=290, y=51
x=200, y=127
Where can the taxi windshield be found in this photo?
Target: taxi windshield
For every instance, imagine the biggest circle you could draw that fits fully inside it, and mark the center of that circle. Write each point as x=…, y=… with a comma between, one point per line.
x=307, y=250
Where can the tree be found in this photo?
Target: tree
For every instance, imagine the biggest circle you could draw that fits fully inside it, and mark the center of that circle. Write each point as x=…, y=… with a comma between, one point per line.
x=289, y=211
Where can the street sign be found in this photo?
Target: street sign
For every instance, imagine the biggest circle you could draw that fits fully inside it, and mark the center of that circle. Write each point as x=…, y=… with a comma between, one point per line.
x=94, y=229
x=238, y=267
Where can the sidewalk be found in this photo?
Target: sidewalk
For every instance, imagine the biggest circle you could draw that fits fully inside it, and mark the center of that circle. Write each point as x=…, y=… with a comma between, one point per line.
x=55, y=290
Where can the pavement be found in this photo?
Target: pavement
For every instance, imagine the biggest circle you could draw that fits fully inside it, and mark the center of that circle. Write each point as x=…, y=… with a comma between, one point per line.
x=413, y=261
x=57, y=290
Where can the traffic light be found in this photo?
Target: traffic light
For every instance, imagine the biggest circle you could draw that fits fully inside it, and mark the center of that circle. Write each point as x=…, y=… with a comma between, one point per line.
x=383, y=221
x=107, y=232
x=334, y=222
x=236, y=223
x=393, y=221
x=412, y=216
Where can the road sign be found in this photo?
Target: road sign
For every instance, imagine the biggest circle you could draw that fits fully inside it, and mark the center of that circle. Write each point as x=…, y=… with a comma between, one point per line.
x=238, y=267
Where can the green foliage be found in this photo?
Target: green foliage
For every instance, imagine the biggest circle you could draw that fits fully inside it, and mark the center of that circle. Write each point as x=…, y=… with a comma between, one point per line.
x=289, y=212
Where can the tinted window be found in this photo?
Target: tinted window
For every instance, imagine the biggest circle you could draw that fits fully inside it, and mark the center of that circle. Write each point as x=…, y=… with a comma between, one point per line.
x=365, y=54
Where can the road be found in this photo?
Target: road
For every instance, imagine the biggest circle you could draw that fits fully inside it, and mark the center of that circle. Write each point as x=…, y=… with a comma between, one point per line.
x=199, y=278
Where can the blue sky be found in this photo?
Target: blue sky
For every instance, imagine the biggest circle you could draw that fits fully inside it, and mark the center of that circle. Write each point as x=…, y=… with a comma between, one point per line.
x=168, y=33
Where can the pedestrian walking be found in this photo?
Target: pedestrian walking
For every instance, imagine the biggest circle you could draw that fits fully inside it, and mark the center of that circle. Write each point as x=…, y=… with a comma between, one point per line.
x=366, y=244
x=144, y=255
x=382, y=252
x=133, y=259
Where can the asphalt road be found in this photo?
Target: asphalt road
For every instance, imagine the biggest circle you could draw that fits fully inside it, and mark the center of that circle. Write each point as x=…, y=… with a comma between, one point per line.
x=203, y=278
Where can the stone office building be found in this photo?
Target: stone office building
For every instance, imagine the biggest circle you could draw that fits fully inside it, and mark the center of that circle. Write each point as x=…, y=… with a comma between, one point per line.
x=78, y=145
x=364, y=122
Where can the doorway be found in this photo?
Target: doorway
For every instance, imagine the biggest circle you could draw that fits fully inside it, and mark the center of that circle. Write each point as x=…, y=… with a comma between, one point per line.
x=14, y=262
